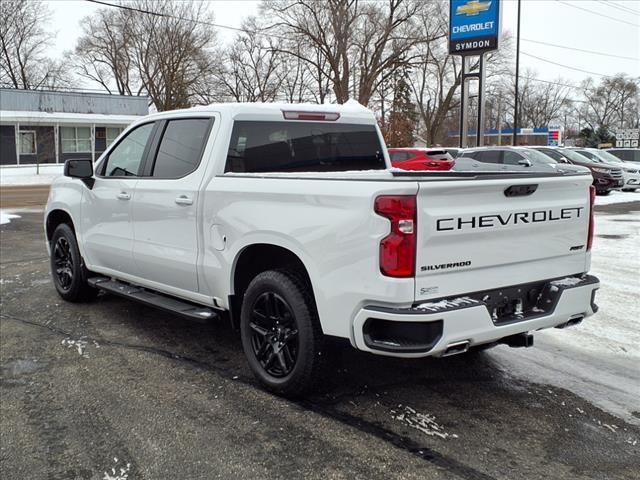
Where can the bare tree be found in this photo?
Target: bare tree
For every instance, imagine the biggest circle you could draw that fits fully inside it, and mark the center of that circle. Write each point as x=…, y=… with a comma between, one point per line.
x=103, y=53
x=172, y=49
x=23, y=42
x=251, y=67
x=436, y=74
x=611, y=103
x=357, y=45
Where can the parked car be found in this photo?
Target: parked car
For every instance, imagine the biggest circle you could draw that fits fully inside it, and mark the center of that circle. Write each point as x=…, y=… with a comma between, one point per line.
x=453, y=151
x=606, y=178
x=626, y=154
x=511, y=157
x=421, y=159
x=287, y=220
x=630, y=171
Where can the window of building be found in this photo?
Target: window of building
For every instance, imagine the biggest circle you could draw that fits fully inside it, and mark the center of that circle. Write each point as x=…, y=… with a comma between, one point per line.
x=27, y=139
x=76, y=139
x=112, y=133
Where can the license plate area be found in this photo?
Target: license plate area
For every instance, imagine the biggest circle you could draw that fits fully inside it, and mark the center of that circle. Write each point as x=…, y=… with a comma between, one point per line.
x=525, y=301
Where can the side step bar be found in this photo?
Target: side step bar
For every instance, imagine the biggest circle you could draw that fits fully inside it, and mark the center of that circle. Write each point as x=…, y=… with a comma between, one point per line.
x=154, y=299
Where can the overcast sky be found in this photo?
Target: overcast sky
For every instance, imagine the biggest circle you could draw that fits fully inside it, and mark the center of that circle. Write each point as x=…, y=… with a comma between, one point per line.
x=581, y=24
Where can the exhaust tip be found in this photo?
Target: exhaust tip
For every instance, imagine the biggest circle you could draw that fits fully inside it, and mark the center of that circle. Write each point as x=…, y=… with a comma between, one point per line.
x=456, y=348
x=572, y=321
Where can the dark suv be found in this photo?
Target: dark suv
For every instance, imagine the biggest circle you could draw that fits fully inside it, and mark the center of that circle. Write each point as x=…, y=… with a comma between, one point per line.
x=605, y=177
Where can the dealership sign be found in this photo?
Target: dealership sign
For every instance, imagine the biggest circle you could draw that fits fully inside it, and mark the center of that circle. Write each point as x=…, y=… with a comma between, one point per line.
x=474, y=26
x=627, y=137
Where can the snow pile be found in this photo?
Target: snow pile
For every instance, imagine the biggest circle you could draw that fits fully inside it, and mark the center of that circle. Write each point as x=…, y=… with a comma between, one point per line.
x=615, y=260
x=79, y=345
x=7, y=217
x=26, y=175
x=121, y=474
x=618, y=197
x=425, y=423
x=446, y=304
x=567, y=281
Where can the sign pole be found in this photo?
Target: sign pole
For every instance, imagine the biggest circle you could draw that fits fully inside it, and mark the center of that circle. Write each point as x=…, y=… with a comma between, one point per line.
x=474, y=29
x=515, y=103
x=481, y=98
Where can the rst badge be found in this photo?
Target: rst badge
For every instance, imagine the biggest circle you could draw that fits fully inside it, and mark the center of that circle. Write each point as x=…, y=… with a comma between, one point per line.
x=474, y=26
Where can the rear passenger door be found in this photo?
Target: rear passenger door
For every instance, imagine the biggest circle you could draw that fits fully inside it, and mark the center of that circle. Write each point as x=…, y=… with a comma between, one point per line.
x=165, y=204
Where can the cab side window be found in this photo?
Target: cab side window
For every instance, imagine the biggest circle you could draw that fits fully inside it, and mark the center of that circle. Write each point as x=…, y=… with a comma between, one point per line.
x=125, y=160
x=181, y=147
x=512, y=158
x=488, y=156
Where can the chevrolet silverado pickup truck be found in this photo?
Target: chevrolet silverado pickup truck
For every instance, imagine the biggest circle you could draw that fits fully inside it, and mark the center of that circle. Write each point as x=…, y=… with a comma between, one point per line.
x=289, y=221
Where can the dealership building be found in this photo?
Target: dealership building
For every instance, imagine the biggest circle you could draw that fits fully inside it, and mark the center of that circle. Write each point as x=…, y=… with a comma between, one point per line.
x=45, y=128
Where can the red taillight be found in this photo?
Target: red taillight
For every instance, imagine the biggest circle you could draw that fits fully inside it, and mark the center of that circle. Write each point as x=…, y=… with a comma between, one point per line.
x=313, y=116
x=398, y=249
x=592, y=199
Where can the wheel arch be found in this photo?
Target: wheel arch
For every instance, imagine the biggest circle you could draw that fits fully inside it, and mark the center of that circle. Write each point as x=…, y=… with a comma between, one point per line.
x=256, y=258
x=57, y=217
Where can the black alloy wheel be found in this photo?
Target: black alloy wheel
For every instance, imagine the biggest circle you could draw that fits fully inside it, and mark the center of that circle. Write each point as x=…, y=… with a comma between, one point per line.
x=281, y=334
x=63, y=262
x=67, y=267
x=274, y=334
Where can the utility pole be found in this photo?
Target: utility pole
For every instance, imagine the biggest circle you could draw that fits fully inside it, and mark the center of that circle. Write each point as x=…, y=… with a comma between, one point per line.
x=515, y=110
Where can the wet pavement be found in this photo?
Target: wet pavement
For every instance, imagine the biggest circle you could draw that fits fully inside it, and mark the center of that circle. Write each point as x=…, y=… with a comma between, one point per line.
x=116, y=390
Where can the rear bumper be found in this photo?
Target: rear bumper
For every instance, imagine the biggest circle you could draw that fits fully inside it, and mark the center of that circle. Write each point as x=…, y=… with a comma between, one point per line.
x=422, y=332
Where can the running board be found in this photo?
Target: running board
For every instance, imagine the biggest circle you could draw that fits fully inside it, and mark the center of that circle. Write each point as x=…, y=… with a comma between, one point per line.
x=153, y=299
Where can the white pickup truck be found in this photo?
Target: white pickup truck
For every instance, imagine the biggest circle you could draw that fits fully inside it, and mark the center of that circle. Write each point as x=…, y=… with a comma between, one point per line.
x=288, y=220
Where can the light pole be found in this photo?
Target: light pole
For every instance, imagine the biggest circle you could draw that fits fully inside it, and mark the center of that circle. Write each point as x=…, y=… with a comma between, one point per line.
x=515, y=109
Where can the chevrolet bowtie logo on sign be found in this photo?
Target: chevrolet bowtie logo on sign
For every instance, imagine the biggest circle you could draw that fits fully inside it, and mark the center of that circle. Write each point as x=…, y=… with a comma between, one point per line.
x=474, y=26
x=473, y=7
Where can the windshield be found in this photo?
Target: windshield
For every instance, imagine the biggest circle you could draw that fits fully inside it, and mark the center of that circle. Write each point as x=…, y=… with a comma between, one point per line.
x=537, y=157
x=575, y=156
x=607, y=157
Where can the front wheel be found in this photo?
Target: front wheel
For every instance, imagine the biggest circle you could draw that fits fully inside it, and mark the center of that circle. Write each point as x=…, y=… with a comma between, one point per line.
x=281, y=334
x=67, y=268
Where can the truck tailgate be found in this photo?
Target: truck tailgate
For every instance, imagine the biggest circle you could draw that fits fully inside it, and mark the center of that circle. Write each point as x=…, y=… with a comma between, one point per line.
x=477, y=235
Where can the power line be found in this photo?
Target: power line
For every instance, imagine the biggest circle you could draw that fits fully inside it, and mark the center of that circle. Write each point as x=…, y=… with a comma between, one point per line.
x=580, y=49
x=599, y=14
x=618, y=7
x=565, y=66
x=166, y=15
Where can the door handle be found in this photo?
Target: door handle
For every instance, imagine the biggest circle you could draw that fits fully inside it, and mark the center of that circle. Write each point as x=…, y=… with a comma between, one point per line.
x=184, y=200
x=124, y=196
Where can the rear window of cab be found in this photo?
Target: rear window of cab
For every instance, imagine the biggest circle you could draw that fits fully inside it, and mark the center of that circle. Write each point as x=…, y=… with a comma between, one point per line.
x=303, y=147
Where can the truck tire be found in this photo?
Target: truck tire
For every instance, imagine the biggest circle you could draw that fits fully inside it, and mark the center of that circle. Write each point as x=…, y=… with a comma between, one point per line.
x=281, y=334
x=67, y=267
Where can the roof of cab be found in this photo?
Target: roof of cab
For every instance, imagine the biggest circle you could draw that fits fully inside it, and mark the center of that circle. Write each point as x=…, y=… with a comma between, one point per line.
x=351, y=109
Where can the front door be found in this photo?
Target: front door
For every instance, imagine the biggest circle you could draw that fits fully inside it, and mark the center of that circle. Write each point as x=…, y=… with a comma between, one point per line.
x=106, y=208
x=165, y=205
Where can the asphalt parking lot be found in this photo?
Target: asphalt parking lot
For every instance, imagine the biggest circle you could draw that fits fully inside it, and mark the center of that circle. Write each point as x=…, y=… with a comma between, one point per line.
x=116, y=390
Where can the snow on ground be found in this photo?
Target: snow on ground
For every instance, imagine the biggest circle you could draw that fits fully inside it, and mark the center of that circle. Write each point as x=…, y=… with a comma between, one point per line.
x=615, y=260
x=618, y=197
x=7, y=217
x=18, y=176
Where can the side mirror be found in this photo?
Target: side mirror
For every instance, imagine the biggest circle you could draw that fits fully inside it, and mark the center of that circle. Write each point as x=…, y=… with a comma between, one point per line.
x=81, y=168
x=524, y=162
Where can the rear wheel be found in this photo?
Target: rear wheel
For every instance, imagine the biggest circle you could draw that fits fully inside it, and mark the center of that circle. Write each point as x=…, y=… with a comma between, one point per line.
x=281, y=335
x=603, y=192
x=67, y=267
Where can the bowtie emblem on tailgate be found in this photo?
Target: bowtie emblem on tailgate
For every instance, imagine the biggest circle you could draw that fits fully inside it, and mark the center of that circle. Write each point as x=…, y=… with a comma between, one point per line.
x=520, y=190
